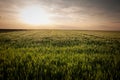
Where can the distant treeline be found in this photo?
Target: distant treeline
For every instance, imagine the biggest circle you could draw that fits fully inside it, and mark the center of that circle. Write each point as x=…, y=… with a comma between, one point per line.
x=10, y=30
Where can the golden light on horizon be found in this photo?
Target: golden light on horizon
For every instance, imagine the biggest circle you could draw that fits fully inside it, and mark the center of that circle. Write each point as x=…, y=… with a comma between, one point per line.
x=35, y=15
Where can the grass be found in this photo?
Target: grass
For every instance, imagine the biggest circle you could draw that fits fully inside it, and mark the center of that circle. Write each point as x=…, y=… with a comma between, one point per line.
x=59, y=55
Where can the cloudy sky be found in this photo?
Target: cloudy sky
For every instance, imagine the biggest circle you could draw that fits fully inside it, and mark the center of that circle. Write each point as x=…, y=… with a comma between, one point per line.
x=64, y=14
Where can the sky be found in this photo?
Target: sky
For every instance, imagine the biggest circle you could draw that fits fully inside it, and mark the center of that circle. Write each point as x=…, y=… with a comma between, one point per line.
x=63, y=14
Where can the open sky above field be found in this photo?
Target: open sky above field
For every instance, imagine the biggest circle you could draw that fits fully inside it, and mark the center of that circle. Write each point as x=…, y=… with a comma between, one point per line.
x=60, y=14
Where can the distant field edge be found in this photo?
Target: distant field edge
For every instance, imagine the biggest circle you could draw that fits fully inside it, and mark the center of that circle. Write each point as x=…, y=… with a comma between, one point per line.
x=9, y=30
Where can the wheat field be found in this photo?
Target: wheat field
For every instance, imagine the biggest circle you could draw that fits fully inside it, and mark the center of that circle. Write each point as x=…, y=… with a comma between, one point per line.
x=59, y=55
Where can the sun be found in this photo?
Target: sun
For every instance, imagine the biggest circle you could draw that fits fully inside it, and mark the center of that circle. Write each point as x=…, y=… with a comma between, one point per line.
x=34, y=15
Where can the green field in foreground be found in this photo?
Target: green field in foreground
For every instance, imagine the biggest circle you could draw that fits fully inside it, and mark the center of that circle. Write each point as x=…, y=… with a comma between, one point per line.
x=59, y=55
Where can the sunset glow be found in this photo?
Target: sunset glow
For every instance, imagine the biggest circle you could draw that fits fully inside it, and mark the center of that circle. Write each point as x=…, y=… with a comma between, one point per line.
x=34, y=15
x=60, y=14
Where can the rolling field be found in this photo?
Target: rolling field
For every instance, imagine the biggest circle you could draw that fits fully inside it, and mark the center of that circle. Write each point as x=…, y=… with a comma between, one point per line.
x=59, y=55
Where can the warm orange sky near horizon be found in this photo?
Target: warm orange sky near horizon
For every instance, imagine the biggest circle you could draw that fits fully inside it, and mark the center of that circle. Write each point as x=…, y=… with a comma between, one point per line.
x=60, y=14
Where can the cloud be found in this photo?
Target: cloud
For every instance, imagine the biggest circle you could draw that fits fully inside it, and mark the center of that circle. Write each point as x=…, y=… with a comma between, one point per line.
x=91, y=7
x=71, y=11
x=116, y=22
x=103, y=9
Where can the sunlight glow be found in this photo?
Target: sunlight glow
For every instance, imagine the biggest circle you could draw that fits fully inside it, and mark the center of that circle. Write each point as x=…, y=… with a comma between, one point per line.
x=35, y=15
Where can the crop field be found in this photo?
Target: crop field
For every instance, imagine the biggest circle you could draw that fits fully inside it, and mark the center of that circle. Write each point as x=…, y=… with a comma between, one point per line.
x=59, y=55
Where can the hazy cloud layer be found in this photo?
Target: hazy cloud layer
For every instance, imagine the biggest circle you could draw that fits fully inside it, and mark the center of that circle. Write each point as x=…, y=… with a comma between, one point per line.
x=79, y=12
